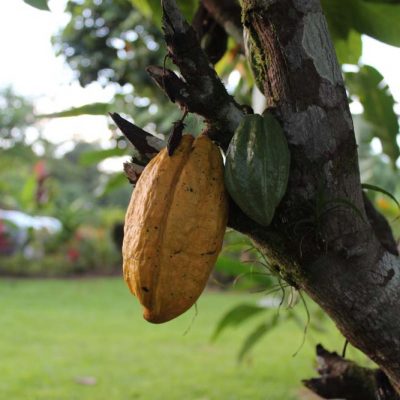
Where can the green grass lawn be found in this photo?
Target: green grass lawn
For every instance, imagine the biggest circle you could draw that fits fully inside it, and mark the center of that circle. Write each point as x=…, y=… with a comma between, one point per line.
x=56, y=332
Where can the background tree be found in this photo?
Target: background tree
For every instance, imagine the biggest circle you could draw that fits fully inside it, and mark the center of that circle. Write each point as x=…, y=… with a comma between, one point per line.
x=38, y=177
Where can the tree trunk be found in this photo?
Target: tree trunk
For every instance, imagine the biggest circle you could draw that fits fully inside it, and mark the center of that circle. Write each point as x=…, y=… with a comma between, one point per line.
x=334, y=255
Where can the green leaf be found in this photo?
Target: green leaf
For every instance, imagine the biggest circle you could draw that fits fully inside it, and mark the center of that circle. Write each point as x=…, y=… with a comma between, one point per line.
x=380, y=190
x=339, y=14
x=257, y=335
x=27, y=194
x=378, y=19
x=40, y=4
x=96, y=156
x=188, y=8
x=348, y=50
x=230, y=266
x=257, y=167
x=144, y=6
x=369, y=87
x=236, y=316
x=383, y=1
x=87, y=109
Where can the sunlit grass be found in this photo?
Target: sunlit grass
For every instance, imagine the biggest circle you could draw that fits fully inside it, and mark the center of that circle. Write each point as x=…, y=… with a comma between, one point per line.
x=55, y=334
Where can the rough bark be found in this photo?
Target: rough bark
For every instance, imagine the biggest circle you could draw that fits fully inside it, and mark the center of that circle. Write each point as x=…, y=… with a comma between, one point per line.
x=321, y=238
x=343, y=379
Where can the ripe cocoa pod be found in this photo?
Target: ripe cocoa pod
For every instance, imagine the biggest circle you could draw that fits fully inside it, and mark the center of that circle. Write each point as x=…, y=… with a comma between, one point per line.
x=174, y=228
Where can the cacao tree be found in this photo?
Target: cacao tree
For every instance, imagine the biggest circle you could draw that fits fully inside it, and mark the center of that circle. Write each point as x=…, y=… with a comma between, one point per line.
x=344, y=257
x=325, y=238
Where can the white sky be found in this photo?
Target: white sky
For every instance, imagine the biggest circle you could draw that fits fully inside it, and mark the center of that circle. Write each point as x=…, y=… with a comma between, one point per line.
x=28, y=64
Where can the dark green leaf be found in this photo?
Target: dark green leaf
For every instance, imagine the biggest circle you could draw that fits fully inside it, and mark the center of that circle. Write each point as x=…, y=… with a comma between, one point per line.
x=96, y=156
x=87, y=109
x=236, y=316
x=369, y=87
x=257, y=167
x=257, y=335
x=339, y=15
x=40, y=4
x=379, y=20
x=383, y=1
x=379, y=189
x=188, y=8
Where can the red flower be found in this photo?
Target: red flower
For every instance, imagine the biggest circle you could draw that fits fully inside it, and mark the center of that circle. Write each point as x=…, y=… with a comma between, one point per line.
x=73, y=254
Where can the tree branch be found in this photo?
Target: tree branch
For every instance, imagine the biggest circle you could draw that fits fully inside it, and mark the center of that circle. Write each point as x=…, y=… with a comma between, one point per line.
x=228, y=14
x=337, y=259
x=340, y=378
x=212, y=36
x=207, y=95
x=146, y=144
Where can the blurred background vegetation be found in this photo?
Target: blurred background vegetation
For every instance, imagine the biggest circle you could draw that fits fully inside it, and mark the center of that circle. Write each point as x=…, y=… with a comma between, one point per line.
x=70, y=208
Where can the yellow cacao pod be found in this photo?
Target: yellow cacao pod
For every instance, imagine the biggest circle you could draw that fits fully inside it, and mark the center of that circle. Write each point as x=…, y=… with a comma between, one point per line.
x=174, y=228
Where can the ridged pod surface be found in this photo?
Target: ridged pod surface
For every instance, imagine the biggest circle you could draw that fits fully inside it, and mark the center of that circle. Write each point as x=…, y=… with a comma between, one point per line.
x=174, y=228
x=257, y=167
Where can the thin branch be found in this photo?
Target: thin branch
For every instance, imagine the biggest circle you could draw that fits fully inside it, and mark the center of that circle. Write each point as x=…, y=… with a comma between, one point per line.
x=228, y=14
x=212, y=36
x=146, y=146
x=207, y=95
x=175, y=88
